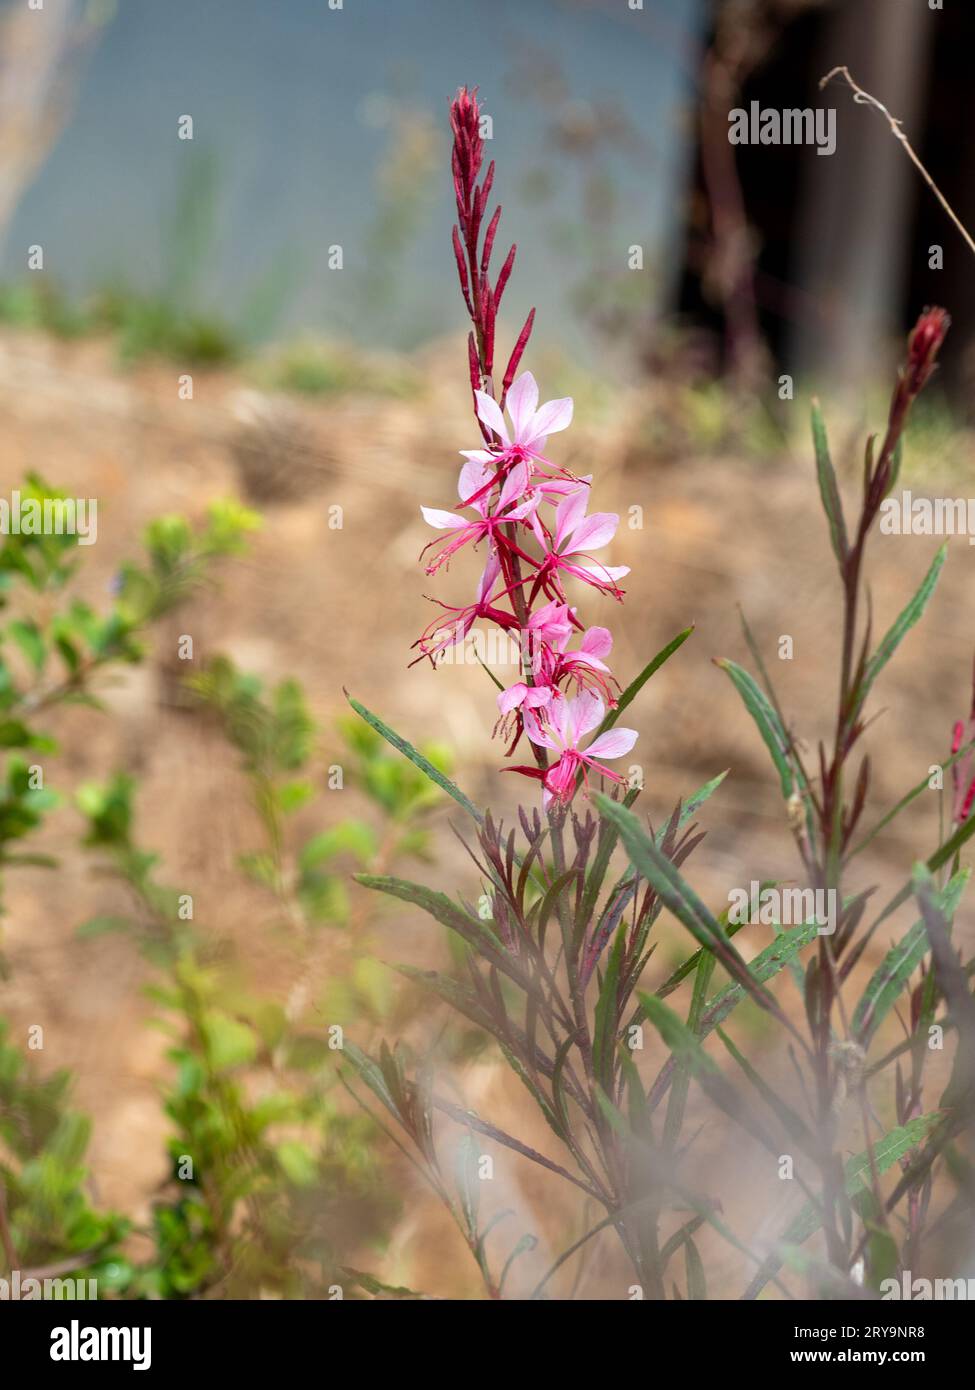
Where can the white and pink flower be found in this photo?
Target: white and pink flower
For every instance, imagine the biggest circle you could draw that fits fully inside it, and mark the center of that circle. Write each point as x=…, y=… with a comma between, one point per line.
x=566, y=722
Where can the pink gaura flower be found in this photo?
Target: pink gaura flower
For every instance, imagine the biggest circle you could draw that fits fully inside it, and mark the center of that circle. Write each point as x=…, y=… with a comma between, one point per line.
x=476, y=481
x=442, y=634
x=549, y=632
x=585, y=665
x=525, y=441
x=567, y=722
x=530, y=425
x=525, y=697
x=567, y=549
x=552, y=624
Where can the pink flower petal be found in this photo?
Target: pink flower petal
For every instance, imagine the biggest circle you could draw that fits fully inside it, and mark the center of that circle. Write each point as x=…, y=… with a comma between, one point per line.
x=473, y=477
x=569, y=513
x=553, y=416
x=512, y=697
x=612, y=744
x=443, y=521
x=596, y=641
x=488, y=579
x=593, y=532
x=538, y=695
x=587, y=712
x=537, y=732
x=595, y=573
x=522, y=402
x=514, y=486
x=489, y=413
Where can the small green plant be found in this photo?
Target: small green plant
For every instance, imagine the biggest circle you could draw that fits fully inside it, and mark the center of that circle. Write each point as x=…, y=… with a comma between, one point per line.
x=49, y=1226
x=257, y=1150
x=53, y=650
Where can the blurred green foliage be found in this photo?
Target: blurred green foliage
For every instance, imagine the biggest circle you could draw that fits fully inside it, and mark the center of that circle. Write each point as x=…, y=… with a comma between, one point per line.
x=271, y=1171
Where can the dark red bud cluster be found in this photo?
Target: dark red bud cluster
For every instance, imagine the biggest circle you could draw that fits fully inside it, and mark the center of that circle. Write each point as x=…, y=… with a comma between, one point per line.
x=473, y=257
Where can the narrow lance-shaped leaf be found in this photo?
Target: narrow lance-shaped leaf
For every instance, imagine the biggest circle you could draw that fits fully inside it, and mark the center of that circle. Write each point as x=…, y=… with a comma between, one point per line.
x=682, y=901
x=607, y=1017
x=767, y=721
x=477, y=934
x=923, y=786
x=792, y=1122
x=953, y=984
x=635, y=686
x=900, y=962
x=828, y=489
x=416, y=757
x=942, y=855
x=490, y=1131
x=905, y=621
x=608, y=837
x=697, y=1287
x=682, y=1043
x=680, y=1086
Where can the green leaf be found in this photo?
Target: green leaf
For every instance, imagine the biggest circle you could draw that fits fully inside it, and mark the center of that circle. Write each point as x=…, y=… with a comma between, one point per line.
x=828, y=489
x=371, y=1073
x=229, y=1042
x=886, y=1152
x=681, y=1042
x=766, y=719
x=608, y=836
x=470, y=929
x=942, y=855
x=297, y=1162
x=910, y=615
x=764, y=967
x=905, y=801
x=697, y=1287
x=30, y=640
x=793, y=1123
x=900, y=962
x=952, y=981
x=635, y=686
x=377, y=1288
x=98, y=926
x=468, y=1182
x=417, y=758
x=680, y=1086
x=527, y=1243
x=674, y=892
x=350, y=837
x=607, y=1011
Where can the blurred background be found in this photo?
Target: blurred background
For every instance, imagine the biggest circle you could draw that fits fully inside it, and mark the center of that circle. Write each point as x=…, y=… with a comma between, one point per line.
x=293, y=258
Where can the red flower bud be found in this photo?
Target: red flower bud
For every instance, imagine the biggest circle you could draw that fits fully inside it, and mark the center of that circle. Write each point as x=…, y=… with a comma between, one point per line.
x=923, y=347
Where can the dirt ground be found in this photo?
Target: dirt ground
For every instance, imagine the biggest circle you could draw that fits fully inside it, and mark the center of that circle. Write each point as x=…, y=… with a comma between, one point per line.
x=339, y=607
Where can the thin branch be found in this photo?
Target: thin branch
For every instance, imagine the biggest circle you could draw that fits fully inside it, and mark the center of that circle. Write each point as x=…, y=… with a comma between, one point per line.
x=863, y=98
